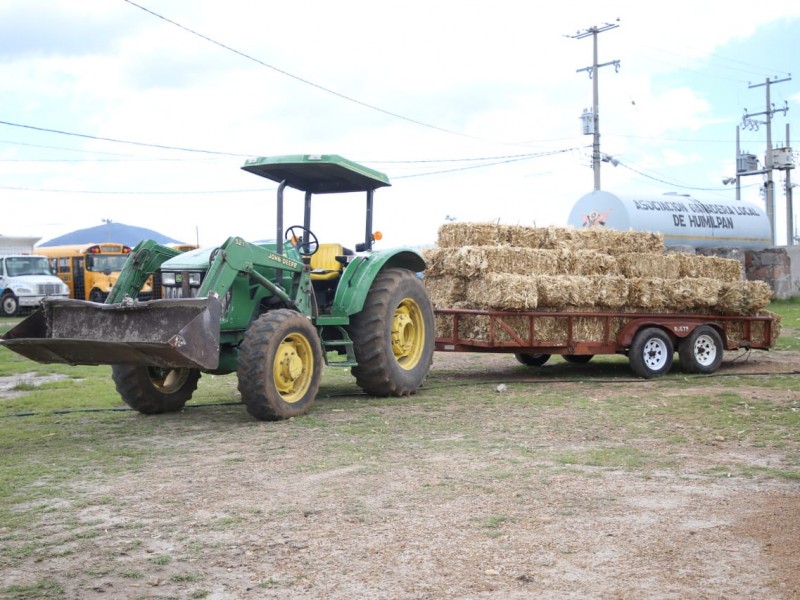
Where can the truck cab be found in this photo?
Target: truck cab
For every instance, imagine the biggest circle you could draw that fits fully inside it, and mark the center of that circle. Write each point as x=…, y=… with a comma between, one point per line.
x=25, y=280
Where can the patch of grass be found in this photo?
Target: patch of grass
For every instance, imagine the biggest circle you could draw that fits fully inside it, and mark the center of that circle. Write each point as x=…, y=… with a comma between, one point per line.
x=789, y=310
x=132, y=574
x=610, y=457
x=161, y=560
x=185, y=578
x=41, y=590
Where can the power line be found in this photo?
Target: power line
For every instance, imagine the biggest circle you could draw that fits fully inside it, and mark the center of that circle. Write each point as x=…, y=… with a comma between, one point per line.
x=307, y=81
x=118, y=141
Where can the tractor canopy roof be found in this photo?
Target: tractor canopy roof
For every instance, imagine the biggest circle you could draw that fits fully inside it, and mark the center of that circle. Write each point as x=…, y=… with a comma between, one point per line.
x=317, y=173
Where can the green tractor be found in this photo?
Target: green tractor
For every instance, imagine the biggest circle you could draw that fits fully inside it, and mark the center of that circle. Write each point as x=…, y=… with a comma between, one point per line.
x=272, y=312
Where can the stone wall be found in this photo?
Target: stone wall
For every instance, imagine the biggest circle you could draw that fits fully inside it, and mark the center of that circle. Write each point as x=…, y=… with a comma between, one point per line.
x=779, y=267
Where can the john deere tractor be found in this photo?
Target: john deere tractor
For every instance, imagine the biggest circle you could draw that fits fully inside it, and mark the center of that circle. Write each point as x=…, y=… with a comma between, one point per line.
x=273, y=312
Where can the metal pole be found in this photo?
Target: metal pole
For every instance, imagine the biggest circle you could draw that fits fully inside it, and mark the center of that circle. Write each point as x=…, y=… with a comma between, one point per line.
x=789, y=207
x=596, y=109
x=770, y=197
x=738, y=177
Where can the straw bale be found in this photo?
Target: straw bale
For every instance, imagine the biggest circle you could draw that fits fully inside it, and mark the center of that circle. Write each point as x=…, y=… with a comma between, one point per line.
x=558, y=292
x=479, y=328
x=609, y=241
x=608, y=291
x=531, y=237
x=456, y=235
x=587, y=262
x=434, y=261
x=711, y=267
x=652, y=265
x=503, y=291
x=776, y=325
x=704, y=292
x=446, y=291
x=443, y=325
x=551, y=329
x=589, y=329
x=471, y=261
x=744, y=297
x=647, y=294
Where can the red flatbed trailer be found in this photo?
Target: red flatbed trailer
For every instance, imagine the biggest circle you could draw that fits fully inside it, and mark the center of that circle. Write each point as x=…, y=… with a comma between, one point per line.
x=649, y=340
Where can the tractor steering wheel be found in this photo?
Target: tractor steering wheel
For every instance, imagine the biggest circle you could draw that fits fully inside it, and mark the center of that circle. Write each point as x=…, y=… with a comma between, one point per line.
x=306, y=243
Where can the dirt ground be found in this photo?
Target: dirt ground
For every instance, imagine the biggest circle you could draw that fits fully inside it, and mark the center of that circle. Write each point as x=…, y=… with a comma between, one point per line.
x=256, y=510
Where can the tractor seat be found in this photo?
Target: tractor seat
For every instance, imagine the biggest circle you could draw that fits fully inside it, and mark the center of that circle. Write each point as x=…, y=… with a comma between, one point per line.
x=324, y=265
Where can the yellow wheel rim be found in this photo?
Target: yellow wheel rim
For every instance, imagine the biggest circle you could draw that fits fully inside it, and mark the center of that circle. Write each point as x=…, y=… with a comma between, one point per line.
x=167, y=381
x=293, y=367
x=408, y=334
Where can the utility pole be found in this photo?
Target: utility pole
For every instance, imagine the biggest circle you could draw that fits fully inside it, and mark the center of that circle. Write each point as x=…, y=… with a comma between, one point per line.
x=748, y=122
x=594, y=76
x=789, y=207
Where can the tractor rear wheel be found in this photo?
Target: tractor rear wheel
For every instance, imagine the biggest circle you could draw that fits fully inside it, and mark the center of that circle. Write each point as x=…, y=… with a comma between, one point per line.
x=155, y=390
x=280, y=365
x=393, y=335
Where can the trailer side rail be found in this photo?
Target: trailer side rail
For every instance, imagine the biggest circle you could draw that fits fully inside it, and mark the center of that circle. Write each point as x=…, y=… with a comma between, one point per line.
x=476, y=330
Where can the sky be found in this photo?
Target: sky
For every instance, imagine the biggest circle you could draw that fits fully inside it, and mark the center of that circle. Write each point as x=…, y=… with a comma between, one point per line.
x=143, y=112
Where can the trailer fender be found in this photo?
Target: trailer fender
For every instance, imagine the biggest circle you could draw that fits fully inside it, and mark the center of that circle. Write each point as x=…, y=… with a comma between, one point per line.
x=361, y=272
x=675, y=328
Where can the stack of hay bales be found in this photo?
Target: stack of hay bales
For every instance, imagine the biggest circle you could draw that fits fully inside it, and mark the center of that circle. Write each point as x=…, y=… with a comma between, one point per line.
x=551, y=269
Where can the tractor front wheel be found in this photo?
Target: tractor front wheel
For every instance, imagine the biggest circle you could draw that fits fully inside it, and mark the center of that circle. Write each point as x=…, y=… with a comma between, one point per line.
x=280, y=365
x=155, y=390
x=393, y=335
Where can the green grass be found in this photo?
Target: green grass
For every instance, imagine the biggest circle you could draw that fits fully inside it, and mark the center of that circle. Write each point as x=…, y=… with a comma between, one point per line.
x=61, y=439
x=789, y=310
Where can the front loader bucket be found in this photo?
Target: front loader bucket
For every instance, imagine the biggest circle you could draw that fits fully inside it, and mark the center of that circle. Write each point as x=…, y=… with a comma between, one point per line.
x=161, y=333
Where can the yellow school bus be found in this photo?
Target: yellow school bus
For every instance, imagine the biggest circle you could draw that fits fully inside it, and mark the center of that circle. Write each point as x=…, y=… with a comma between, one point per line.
x=90, y=270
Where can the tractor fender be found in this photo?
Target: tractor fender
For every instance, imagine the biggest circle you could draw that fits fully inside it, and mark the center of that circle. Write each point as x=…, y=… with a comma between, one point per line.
x=361, y=272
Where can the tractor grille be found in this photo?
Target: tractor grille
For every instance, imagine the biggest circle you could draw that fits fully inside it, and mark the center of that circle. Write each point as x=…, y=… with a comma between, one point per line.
x=174, y=291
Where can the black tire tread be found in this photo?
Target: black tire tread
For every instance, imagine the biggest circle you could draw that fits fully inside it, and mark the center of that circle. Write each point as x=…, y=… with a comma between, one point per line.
x=256, y=384
x=137, y=391
x=377, y=372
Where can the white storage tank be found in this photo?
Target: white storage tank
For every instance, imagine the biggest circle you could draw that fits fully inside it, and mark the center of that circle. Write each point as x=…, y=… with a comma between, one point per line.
x=683, y=220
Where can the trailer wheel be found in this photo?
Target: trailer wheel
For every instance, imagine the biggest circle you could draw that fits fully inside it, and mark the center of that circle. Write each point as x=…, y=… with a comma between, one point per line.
x=280, y=365
x=393, y=335
x=701, y=350
x=10, y=305
x=578, y=358
x=651, y=353
x=155, y=390
x=532, y=360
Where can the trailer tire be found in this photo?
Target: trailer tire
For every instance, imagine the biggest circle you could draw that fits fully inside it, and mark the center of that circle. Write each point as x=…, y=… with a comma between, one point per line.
x=651, y=353
x=578, y=359
x=155, y=390
x=701, y=351
x=393, y=335
x=10, y=305
x=531, y=360
x=280, y=365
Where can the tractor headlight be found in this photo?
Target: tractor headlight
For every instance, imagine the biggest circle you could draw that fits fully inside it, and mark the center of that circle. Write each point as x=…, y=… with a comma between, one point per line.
x=195, y=279
x=168, y=278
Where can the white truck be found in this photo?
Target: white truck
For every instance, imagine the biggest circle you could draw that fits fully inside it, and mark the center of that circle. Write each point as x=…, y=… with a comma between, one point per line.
x=25, y=278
